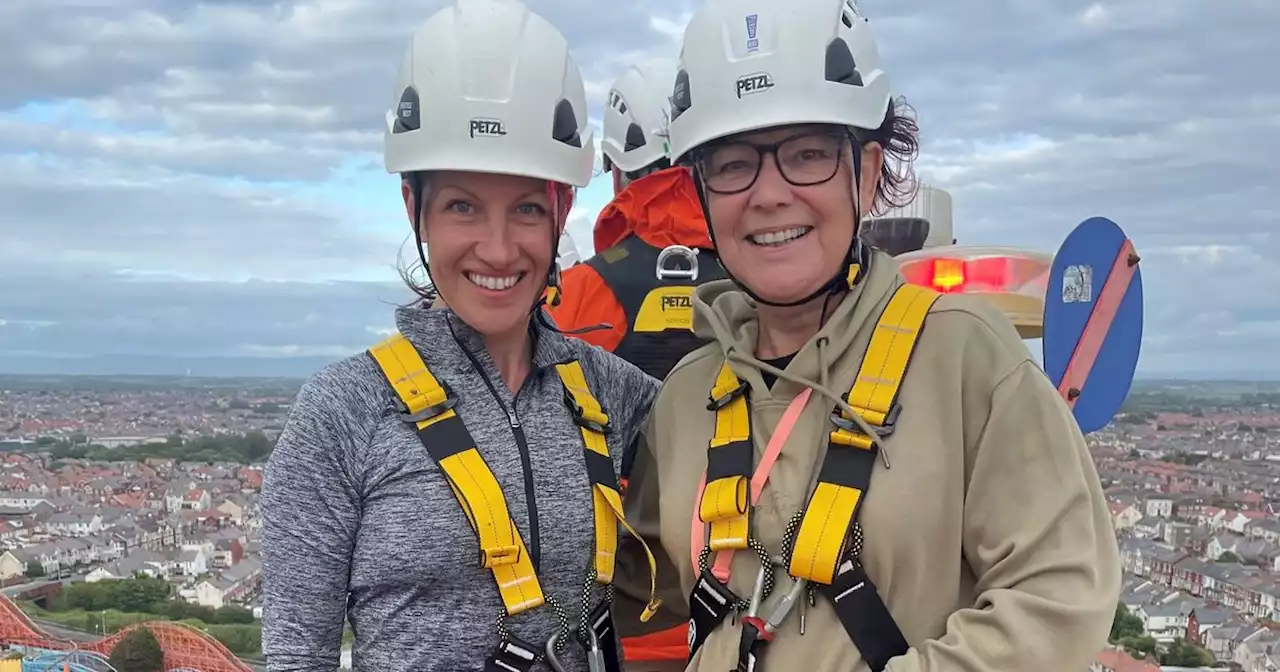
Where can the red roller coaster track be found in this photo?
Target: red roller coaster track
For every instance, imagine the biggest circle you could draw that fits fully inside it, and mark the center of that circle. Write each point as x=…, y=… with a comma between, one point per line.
x=184, y=647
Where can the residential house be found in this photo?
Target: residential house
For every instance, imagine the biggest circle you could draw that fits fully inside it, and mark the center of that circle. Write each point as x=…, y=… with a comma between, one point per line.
x=1188, y=576
x=16, y=562
x=1163, y=559
x=1267, y=529
x=1255, y=551
x=74, y=523
x=190, y=560
x=186, y=497
x=1178, y=535
x=1165, y=622
x=1242, y=519
x=1215, y=518
x=1117, y=660
x=1222, y=640
x=143, y=562
x=1124, y=516
x=1204, y=618
x=1158, y=506
x=21, y=500
x=10, y=532
x=234, y=584
x=1148, y=528
x=1189, y=509
x=195, y=500
x=235, y=506
x=104, y=548
x=228, y=547
x=1260, y=652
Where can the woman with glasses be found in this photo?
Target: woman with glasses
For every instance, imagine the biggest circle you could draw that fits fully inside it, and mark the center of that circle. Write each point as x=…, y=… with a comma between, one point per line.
x=857, y=473
x=452, y=493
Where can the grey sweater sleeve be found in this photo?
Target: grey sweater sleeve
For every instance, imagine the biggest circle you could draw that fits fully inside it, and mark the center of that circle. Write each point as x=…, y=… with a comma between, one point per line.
x=311, y=512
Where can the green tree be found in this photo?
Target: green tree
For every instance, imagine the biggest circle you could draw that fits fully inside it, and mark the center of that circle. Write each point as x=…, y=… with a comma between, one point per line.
x=130, y=595
x=1185, y=654
x=232, y=614
x=35, y=570
x=1228, y=556
x=138, y=651
x=1126, y=625
x=1139, y=647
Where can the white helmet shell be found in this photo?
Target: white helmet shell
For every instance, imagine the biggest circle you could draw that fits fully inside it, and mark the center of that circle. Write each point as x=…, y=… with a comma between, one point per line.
x=489, y=86
x=752, y=65
x=567, y=255
x=635, y=120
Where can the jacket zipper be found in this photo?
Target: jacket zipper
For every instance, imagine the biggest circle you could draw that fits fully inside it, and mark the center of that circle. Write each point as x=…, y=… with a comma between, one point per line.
x=526, y=465
x=522, y=444
x=531, y=500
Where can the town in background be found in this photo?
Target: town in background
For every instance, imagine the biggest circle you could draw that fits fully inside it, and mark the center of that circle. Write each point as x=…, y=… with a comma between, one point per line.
x=152, y=482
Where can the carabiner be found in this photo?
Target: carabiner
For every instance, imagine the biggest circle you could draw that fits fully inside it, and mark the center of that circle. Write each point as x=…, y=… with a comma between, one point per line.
x=595, y=656
x=553, y=661
x=757, y=593
x=782, y=607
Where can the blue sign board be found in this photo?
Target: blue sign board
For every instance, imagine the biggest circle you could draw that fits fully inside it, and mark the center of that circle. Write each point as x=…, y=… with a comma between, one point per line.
x=1093, y=321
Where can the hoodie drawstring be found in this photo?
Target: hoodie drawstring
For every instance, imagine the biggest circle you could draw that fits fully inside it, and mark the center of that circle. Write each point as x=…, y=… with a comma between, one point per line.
x=820, y=387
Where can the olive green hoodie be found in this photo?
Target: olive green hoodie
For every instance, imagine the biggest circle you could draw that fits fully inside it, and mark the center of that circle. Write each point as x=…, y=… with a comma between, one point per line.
x=988, y=536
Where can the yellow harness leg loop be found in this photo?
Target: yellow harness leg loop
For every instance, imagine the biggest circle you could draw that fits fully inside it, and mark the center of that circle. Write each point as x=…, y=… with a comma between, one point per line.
x=845, y=475
x=429, y=406
x=606, y=500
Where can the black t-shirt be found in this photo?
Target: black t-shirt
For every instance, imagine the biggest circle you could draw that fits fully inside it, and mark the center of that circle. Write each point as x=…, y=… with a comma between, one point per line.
x=779, y=363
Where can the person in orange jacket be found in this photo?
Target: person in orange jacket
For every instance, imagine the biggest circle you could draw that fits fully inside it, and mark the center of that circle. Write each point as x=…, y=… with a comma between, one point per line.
x=642, y=294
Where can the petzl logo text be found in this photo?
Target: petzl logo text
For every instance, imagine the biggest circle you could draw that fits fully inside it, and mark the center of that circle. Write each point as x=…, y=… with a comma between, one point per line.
x=488, y=128
x=676, y=302
x=749, y=84
x=753, y=42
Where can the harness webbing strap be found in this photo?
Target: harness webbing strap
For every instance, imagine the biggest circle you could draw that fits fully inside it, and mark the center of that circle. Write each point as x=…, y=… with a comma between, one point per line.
x=593, y=421
x=725, y=505
x=425, y=402
x=822, y=540
x=606, y=500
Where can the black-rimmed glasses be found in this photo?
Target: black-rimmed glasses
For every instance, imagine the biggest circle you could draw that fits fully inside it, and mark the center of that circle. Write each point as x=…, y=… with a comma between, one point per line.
x=803, y=160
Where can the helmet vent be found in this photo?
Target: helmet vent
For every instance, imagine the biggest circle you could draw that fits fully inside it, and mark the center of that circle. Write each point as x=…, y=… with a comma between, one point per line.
x=408, y=112
x=681, y=100
x=564, y=127
x=840, y=66
x=635, y=137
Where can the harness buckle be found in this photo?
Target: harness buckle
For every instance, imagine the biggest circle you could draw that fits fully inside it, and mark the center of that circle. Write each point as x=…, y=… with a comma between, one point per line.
x=527, y=654
x=717, y=403
x=512, y=654
x=599, y=423
x=882, y=431
x=499, y=556
x=408, y=415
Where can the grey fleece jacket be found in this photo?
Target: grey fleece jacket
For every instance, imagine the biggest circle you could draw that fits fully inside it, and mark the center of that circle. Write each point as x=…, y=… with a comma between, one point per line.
x=359, y=521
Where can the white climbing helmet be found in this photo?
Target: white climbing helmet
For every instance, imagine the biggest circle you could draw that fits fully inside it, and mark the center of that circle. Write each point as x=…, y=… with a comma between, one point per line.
x=635, y=121
x=751, y=65
x=567, y=255
x=489, y=86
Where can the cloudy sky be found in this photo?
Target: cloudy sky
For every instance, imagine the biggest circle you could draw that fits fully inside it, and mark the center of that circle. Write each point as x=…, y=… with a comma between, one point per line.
x=203, y=179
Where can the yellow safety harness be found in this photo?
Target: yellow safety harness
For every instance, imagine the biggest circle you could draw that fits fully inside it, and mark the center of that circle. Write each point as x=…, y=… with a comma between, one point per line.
x=822, y=542
x=429, y=405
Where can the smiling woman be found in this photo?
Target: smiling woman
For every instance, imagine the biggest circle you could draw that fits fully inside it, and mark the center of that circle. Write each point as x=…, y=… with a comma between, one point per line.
x=491, y=242
x=478, y=431
x=822, y=363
